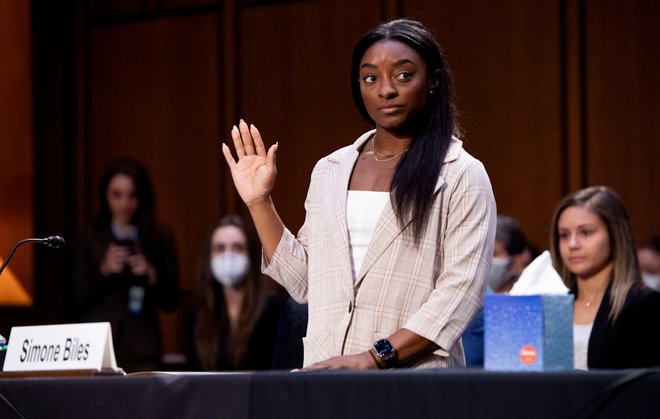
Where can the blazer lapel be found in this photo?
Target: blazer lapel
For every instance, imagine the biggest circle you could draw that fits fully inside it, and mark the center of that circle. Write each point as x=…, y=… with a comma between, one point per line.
x=599, y=331
x=388, y=228
x=337, y=184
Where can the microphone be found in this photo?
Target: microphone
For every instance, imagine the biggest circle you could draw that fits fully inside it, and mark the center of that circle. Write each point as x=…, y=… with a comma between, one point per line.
x=54, y=242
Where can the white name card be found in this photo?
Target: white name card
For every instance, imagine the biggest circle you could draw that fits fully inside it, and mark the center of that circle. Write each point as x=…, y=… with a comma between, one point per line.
x=78, y=346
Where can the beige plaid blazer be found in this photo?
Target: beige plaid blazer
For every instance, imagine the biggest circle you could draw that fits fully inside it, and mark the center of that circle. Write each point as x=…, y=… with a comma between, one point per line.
x=432, y=289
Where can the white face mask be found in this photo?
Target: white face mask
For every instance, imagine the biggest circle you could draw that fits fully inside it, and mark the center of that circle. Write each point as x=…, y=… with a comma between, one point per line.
x=229, y=269
x=499, y=273
x=651, y=280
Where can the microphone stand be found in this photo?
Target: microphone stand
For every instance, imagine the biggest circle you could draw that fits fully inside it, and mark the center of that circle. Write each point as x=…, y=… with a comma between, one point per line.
x=51, y=241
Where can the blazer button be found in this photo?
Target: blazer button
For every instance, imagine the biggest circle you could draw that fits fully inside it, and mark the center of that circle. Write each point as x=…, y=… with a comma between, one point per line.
x=350, y=306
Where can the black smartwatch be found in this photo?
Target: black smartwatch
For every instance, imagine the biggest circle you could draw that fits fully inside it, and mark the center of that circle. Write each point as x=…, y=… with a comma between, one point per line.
x=386, y=353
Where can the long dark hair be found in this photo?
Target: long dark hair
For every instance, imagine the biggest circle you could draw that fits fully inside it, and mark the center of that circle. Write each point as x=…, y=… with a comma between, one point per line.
x=213, y=337
x=609, y=207
x=144, y=215
x=413, y=184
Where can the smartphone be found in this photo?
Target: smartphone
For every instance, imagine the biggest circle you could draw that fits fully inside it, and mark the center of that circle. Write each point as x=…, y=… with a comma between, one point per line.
x=132, y=245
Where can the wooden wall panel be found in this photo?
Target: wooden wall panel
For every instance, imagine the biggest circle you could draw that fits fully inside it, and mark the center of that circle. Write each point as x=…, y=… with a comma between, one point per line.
x=172, y=4
x=623, y=105
x=99, y=8
x=154, y=96
x=505, y=57
x=295, y=86
x=131, y=8
x=16, y=140
x=551, y=96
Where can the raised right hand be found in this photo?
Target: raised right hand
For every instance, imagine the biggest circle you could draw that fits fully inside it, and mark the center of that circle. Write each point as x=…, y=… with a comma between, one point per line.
x=254, y=173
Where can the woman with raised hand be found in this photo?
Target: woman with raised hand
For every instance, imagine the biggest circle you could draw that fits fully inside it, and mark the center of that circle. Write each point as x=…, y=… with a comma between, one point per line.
x=397, y=289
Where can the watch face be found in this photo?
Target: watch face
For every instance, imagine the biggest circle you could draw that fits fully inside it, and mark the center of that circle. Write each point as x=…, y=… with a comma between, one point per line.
x=384, y=348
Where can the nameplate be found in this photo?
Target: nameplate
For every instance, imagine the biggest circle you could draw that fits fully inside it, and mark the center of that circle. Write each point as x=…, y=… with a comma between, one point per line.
x=79, y=346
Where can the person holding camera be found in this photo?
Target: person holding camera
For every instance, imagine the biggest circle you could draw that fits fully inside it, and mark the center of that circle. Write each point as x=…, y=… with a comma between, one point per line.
x=126, y=267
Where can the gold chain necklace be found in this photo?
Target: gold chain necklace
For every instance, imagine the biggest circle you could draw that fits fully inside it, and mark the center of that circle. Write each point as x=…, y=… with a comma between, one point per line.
x=588, y=303
x=384, y=157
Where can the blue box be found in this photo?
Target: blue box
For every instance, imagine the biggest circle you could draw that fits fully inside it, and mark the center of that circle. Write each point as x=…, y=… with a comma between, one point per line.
x=528, y=333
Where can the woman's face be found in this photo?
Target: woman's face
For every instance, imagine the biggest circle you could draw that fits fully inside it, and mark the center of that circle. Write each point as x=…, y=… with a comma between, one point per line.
x=584, y=243
x=122, y=200
x=228, y=239
x=394, y=83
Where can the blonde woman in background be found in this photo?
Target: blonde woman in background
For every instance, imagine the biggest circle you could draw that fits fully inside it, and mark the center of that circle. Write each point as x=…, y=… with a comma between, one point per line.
x=616, y=318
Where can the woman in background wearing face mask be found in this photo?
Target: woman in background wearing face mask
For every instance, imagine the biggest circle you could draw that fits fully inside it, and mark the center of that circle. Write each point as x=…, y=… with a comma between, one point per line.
x=511, y=255
x=236, y=318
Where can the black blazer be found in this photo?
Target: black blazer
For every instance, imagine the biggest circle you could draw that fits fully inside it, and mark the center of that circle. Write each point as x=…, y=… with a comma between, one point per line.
x=633, y=340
